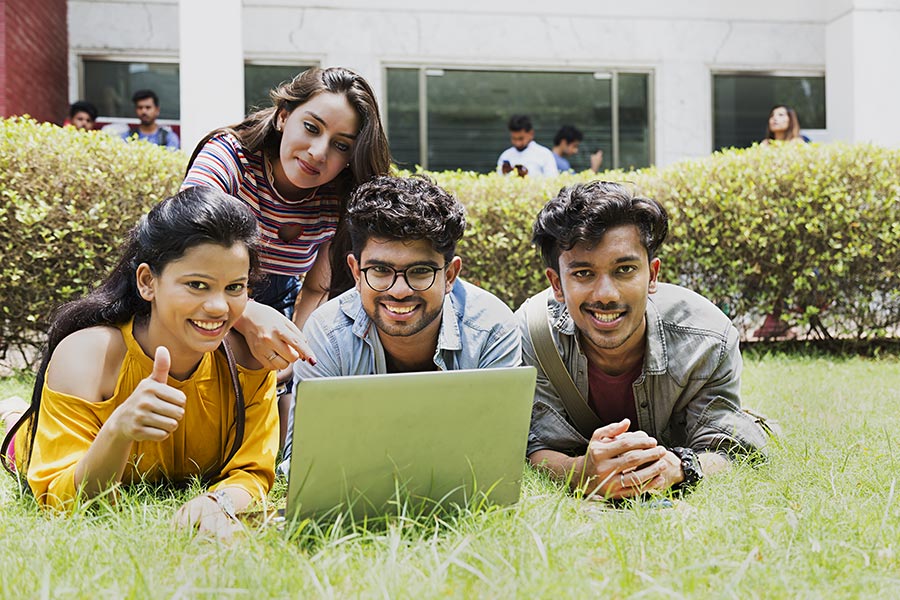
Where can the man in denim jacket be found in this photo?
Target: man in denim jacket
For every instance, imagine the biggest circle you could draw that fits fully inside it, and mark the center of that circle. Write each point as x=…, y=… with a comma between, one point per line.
x=409, y=310
x=658, y=365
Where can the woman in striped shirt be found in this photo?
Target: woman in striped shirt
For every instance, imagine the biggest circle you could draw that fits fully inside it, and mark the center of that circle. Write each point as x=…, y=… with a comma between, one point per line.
x=295, y=164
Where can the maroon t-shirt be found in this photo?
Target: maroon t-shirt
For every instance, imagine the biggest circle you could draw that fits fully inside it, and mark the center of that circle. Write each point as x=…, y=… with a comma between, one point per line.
x=612, y=397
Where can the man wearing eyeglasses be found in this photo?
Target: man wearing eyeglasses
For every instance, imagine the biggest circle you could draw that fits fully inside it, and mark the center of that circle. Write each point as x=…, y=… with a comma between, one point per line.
x=409, y=311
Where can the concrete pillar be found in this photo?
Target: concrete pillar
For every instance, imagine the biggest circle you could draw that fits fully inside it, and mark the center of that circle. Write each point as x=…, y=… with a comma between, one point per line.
x=683, y=97
x=862, y=82
x=212, y=67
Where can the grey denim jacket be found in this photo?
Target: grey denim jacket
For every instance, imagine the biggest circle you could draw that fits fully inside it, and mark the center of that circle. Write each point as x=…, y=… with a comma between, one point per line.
x=688, y=393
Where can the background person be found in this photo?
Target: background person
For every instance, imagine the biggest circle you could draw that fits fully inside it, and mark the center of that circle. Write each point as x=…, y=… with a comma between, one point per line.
x=525, y=156
x=82, y=115
x=566, y=143
x=146, y=107
x=783, y=126
x=134, y=386
x=295, y=164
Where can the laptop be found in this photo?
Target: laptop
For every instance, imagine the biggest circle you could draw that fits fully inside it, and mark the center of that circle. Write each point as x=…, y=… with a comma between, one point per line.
x=404, y=443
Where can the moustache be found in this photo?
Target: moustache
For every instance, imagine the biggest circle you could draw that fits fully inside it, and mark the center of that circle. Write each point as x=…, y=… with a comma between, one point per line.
x=611, y=307
x=388, y=298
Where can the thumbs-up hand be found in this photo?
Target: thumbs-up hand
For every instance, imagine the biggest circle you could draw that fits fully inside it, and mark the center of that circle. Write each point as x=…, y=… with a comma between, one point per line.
x=162, y=362
x=154, y=409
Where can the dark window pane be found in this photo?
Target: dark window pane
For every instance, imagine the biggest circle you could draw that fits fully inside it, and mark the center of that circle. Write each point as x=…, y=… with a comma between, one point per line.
x=260, y=79
x=403, y=116
x=468, y=112
x=741, y=105
x=109, y=85
x=634, y=122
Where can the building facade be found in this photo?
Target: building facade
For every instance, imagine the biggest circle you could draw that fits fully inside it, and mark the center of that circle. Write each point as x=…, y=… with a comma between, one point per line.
x=33, y=52
x=648, y=82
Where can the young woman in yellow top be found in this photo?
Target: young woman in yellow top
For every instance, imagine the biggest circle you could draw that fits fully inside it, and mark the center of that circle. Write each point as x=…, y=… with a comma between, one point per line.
x=136, y=383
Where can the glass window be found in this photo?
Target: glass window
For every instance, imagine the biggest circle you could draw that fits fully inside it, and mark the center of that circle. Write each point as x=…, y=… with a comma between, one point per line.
x=741, y=105
x=634, y=121
x=260, y=79
x=110, y=84
x=468, y=110
x=403, y=116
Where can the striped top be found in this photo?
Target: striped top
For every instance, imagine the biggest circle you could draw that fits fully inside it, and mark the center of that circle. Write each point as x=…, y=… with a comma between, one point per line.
x=224, y=164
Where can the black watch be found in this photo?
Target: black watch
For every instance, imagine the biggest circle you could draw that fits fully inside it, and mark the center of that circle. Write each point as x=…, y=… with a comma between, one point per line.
x=690, y=468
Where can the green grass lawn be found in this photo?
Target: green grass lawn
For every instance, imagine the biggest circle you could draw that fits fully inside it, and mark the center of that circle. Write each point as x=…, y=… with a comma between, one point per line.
x=821, y=520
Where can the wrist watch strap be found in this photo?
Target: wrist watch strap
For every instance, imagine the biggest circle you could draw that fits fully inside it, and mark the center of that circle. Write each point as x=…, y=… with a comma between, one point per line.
x=690, y=468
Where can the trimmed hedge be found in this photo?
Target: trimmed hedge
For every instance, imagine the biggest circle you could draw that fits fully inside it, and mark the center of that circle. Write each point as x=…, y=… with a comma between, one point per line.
x=811, y=228
x=67, y=198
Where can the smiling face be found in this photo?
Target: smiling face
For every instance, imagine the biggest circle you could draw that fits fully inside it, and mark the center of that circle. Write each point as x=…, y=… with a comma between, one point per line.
x=401, y=311
x=195, y=300
x=605, y=288
x=316, y=143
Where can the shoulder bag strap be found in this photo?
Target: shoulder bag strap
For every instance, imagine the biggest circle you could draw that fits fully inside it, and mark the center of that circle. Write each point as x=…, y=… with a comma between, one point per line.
x=239, y=408
x=551, y=362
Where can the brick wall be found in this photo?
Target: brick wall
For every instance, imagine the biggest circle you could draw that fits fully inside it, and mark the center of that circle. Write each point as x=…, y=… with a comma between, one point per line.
x=33, y=59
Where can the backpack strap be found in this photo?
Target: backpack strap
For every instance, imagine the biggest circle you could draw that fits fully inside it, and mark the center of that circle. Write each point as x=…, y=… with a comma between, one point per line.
x=239, y=407
x=547, y=354
x=163, y=136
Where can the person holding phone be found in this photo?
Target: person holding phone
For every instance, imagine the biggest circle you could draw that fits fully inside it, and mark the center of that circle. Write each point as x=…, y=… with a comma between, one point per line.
x=525, y=156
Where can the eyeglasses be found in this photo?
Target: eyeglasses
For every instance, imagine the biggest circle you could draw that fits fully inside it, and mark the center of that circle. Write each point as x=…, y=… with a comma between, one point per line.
x=419, y=278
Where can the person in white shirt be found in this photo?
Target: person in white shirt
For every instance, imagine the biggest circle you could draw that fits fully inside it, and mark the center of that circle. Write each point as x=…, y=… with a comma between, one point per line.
x=525, y=156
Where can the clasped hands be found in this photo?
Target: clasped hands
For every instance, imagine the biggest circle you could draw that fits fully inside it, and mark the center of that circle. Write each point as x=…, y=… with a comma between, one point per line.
x=623, y=464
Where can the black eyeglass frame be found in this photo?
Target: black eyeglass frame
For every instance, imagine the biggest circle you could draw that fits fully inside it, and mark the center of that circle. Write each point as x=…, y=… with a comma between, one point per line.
x=434, y=272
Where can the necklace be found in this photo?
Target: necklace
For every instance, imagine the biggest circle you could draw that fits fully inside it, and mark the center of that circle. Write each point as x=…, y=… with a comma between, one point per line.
x=270, y=177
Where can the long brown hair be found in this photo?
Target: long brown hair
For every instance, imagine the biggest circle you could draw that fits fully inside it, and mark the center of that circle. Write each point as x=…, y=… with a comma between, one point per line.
x=369, y=158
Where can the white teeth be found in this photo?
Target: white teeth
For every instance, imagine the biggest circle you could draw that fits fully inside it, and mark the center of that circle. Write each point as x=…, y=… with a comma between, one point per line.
x=606, y=317
x=208, y=325
x=401, y=310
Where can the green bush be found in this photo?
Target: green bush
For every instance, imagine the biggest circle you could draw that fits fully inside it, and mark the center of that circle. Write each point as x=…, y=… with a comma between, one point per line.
x=814, y=229
x=67, y=197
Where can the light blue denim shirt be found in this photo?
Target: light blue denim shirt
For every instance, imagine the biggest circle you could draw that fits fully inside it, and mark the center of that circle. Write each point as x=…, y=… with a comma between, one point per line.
x=478, y=331
x=689, y=390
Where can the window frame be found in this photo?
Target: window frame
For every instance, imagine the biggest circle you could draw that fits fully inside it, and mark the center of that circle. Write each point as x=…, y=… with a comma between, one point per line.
x=423, y=69
x=125, y=58
x=770, y=72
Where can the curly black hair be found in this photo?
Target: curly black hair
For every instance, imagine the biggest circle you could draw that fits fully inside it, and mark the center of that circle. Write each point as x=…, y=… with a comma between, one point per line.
x=398, y=208
x=583, y=212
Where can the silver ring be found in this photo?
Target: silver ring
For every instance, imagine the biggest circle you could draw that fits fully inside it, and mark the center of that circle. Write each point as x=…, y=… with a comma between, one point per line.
x=274, y=356
x=622, y=479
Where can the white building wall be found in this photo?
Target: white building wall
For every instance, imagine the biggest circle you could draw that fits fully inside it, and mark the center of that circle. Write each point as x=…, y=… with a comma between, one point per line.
x=212, y=76
x=682, y=42
x=863, y=84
